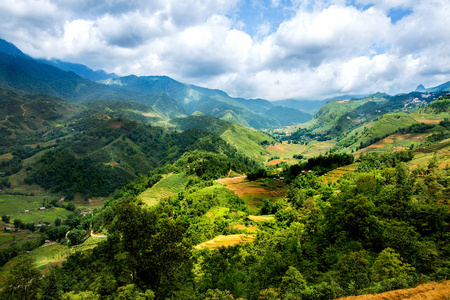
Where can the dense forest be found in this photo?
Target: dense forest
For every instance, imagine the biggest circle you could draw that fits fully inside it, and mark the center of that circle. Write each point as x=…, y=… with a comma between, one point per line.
x=379, y=228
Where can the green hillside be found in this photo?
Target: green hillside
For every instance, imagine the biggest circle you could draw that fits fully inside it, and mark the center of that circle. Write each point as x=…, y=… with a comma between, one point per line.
x=107, y=153
x=245, y=140
x=29, y=119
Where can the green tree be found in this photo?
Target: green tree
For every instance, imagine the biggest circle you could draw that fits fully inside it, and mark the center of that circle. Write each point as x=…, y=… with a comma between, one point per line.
x=87, y=295
x=23, y=281
x=388, y=265
x=292, y=281
x=51, y=287
x=131, y=292
x=354, y=270
x=6, y=218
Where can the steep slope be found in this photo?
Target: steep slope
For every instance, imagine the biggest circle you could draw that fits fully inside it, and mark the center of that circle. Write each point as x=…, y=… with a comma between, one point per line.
x=105, y=154
x=28, y=118
x=129, y=109
x=79, y=69
x=247, y=141
x=30, y=76
x=257, y=113
x=445, y=87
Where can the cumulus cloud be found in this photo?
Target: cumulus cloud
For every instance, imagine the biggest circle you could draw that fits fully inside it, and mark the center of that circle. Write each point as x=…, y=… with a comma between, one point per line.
x=320, y=49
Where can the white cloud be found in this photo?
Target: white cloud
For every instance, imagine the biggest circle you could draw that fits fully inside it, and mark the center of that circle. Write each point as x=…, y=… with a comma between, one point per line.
x=325, y=48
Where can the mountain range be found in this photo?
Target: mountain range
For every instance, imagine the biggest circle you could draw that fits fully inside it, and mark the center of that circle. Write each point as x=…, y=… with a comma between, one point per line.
x=171, y=98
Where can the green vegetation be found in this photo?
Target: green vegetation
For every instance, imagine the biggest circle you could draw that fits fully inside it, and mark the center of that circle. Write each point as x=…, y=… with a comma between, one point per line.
x=380, y=227
x=191, y=212
x=247, y=141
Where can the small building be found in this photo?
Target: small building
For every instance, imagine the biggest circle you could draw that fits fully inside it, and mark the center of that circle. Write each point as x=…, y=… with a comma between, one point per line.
x=41, y=208
x=26, y=211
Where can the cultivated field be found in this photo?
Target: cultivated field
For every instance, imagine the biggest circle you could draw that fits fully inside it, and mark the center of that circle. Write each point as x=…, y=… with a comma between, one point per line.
x=27, y=209
x=254, y=192
x=226, y=240
x=168, y=186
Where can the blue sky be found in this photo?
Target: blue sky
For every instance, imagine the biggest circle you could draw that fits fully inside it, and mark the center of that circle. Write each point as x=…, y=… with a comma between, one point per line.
x=272, y=49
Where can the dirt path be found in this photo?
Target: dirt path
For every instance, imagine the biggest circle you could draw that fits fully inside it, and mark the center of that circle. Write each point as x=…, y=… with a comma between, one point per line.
x=230, y=180
x=427, y=291
x=97, y=235
x=6, y=119
x=23, y=114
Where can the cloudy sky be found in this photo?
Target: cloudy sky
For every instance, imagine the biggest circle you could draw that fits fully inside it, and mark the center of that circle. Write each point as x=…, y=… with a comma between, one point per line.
x=272, y=49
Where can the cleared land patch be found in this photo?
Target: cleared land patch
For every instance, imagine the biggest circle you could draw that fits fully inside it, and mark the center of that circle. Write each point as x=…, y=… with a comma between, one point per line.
x=338, y=173
x=249, y=228
x=226, y=241
x=254, y=192
x=430, y=291
x=27, y=209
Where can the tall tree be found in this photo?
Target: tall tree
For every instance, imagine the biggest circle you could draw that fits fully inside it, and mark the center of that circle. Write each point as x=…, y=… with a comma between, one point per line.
x=23, y=281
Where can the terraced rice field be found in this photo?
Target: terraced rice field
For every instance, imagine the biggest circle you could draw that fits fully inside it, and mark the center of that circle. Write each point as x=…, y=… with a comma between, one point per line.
x=266, y=218
x=338, y=173
x=254, y=192
x=249, y=228
x=226, y=241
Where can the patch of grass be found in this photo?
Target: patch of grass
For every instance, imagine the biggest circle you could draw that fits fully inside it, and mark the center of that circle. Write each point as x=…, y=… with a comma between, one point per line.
x=217, y=212
x=5, y=238
x=6, y=156
x=47, y=215
x=245, y=140
x=171, y=184
x=286, y=151
x=15, y=207
x=265, y=218
x=49, y=254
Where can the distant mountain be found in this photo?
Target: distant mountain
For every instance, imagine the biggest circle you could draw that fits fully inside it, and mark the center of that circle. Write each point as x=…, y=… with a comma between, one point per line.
x=256, y=113
x=28, y=119
x=30, y=76
x=79, y=69
x=313, y=106
x=10, y=48
x=338, y=116
x=310, y=107
x=445, y=87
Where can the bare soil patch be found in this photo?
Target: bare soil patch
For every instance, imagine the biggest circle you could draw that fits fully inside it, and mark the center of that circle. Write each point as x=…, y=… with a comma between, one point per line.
x=275, y=161
x=231, y=180
x=432, y=290
x=116, y=125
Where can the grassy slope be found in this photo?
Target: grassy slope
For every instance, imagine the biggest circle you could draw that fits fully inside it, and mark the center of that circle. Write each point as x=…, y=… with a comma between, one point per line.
x=328, y=114
x=170, y=185
x=245, y=140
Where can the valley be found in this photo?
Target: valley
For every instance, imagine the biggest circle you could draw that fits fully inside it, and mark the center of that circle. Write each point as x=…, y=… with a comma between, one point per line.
x=149, y=188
